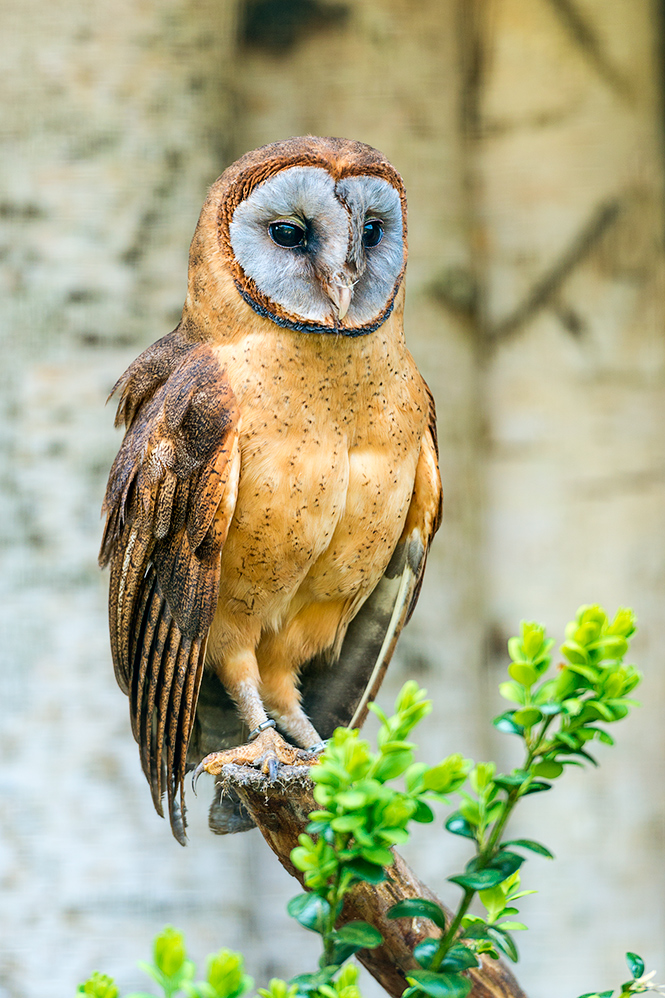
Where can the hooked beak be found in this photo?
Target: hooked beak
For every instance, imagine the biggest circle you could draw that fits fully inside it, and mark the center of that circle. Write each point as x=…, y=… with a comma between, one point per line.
x=340, y=291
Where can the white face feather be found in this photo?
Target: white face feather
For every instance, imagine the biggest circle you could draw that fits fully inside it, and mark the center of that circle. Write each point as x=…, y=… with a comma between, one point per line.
x=333, y=216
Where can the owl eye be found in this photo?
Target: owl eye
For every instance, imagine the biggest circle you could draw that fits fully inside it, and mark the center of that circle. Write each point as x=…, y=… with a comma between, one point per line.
x=372, y=232
x=287, y=234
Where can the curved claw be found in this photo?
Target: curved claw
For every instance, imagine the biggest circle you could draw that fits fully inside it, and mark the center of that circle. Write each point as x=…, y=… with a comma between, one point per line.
x=195, y=777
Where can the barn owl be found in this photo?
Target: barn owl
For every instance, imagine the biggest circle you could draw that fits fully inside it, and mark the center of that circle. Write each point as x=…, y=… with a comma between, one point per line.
x=269, y=512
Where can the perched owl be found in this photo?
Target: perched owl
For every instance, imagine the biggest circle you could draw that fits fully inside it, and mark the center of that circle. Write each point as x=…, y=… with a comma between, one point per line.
x=269, y=513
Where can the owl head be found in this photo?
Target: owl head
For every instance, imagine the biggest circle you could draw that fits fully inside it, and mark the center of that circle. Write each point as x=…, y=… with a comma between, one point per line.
x=309, y=232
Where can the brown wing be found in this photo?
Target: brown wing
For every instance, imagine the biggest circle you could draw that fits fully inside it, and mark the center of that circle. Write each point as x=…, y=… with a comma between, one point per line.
x=169, y=502
x=339, y=693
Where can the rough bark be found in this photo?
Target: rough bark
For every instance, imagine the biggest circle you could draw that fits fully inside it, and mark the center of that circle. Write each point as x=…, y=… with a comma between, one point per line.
x=280, y=809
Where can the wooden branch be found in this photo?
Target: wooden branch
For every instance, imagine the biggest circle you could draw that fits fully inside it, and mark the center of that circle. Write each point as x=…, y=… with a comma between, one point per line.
x=280, y=809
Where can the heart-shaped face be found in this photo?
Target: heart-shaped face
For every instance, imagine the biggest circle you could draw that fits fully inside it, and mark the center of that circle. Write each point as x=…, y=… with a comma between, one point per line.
x=313, y=232
x=326, y=251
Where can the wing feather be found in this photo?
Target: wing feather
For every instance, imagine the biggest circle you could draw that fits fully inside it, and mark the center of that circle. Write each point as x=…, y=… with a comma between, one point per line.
x=169, y=502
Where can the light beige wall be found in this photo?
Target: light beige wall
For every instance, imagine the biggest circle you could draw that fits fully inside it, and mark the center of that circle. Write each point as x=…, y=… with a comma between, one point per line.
x=513, y=139
x=569, y=179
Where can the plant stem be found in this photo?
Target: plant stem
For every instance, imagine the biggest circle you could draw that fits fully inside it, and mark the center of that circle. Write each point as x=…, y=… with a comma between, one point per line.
x=514, y=795
x=334, y=897
x=449, y=936
x=502, y=820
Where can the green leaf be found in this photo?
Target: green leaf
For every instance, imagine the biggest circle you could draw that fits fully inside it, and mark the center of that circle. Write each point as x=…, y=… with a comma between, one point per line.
x=449, y=775
x=550, y=709
x=504, y=942
x=635, y=964
x=360, y=934
x=99, y=986
x=351, y=800
x=537, y=787
x=530, y=844
x=458, y=958
x=372, y=873
x=306, y=983
x=504, y=861
x=572, y=741
x=169, y=951
x=470, y=810
x=527, y=717
x=624, y=622
x=440, y=985
x=512, y=925
x=424, y=952
x=605, y=712
x=494, y=900
x=311, y=911
x=225, y=975
x=481, y=776
x=505, y=723
x=604, y=737
x=352, y=937
x=378, y=855
x=347, y=823
x=513, y=691
x=393, y=765
x=423, y=813
x=548, y=768
x=478, y=881
x=418, y=908
x=458, y=825
x=508, y=781
x=515, y=649
x=523, y=673
x=575, y=653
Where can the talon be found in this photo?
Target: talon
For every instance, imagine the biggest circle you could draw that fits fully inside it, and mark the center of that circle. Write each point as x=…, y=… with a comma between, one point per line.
x=265, y=752
x=195, y=777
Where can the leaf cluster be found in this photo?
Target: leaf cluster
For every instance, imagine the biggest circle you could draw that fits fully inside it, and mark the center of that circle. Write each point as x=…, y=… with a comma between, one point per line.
x=363, y=812
x=174, y=973
x=639, y=983
x=361, y=816
x=591, y=687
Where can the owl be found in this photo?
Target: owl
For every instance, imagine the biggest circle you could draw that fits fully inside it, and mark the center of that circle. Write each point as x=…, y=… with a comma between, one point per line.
x=269, y=512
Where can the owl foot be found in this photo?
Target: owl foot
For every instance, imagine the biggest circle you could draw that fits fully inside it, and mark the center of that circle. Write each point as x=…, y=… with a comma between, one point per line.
x=267, y=751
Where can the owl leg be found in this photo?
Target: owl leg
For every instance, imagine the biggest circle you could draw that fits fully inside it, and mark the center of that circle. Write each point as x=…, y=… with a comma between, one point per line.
x=266, y=749
x=282, y=699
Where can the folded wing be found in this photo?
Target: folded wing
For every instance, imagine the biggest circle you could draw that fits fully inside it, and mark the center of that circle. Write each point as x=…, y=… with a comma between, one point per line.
x=169, y=502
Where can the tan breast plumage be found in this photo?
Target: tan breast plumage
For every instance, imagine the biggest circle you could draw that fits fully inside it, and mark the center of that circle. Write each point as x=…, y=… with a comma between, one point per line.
x=328, y=457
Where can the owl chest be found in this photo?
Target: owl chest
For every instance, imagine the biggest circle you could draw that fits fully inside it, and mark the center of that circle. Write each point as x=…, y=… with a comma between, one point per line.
x=327, y=474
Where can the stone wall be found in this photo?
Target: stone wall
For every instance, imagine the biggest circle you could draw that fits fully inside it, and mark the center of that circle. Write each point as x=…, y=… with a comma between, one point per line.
x=528, y=134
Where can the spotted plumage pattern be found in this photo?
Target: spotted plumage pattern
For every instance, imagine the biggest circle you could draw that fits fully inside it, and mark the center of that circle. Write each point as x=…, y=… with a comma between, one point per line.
x=270, y=510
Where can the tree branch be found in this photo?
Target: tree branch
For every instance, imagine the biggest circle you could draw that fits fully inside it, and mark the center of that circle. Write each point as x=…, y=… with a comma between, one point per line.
x=280, y=809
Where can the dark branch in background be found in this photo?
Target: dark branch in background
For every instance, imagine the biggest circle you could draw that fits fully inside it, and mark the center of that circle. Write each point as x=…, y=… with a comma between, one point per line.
x=581, y=31
x=277, y=26
x=541, y=294
x=280, y=810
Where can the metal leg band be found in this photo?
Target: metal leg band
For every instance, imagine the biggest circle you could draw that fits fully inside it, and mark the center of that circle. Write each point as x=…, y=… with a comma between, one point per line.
x=263, y=726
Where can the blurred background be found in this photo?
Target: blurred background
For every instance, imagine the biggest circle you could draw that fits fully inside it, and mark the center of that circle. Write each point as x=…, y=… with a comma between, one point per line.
x=529, y=134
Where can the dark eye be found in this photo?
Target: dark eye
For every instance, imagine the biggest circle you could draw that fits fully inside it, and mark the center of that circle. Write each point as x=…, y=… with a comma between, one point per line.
x=286, y=234
x=372, y=232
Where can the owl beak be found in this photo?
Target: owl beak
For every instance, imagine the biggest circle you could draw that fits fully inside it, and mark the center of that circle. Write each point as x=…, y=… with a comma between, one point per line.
x=340, y=293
